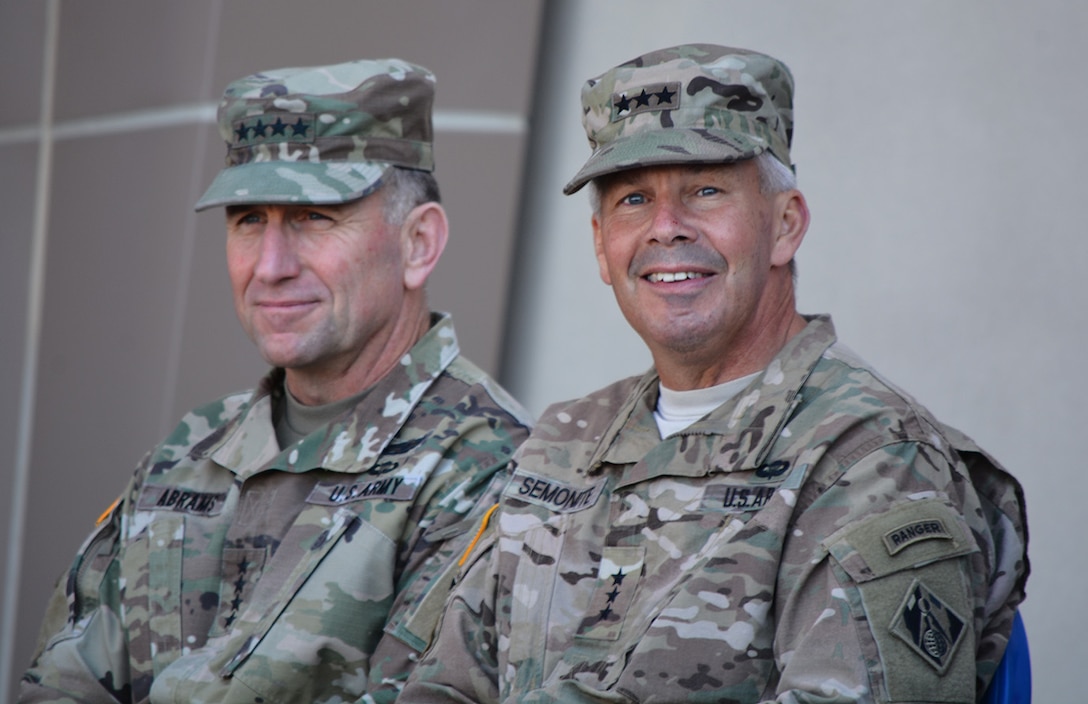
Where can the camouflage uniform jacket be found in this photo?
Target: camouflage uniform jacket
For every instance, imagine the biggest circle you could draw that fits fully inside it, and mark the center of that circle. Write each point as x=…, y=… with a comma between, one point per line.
x=819, y=538
x=234, y=572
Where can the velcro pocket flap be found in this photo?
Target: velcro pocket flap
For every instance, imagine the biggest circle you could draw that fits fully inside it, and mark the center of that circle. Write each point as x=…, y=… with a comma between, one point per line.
x=415, y=624
x=909, y=535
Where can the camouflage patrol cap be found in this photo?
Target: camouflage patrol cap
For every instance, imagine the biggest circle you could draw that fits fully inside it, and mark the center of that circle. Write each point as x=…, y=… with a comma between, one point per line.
x=322, y=134
x=689, y=104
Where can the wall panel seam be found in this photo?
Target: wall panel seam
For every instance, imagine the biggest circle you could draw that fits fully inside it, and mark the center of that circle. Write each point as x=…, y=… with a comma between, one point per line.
x=35, y=292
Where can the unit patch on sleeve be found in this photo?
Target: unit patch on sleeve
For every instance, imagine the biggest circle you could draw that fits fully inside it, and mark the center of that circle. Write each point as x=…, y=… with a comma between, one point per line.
x=929, y=626
x=914, y=532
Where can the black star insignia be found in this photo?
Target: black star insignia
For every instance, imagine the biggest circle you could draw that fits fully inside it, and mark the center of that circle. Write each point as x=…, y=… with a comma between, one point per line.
x=241, y=132
x=606, y=612
x=258, y=129
x=643, y=99
x=613, y=594
x=665, y=96
x=236, y=602
x=299, y=128
x=279, y=127
x=623, y=104
x=228, y=621
x=617, y=578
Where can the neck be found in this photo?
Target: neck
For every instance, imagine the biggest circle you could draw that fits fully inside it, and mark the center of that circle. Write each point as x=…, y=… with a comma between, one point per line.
x=722, y=360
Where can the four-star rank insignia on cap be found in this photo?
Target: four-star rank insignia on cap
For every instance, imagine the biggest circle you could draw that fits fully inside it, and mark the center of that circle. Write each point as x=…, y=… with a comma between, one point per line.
x=263, y=128
x=649, y=98
x=929, y=626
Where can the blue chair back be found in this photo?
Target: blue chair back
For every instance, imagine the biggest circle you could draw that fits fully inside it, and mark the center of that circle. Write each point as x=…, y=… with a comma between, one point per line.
x=1012, y=681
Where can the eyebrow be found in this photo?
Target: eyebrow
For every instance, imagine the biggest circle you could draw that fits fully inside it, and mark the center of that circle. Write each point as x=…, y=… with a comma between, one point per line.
x=628, y=177
x=235, y=209
x=246, y=207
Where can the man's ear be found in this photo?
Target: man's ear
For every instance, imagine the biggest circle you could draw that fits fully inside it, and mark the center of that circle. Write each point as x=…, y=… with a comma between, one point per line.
x=424, y=235
x=791, y=219
x=598, y=247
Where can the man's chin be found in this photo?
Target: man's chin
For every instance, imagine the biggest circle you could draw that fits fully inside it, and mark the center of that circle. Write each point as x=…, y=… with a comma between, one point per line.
x=288, y=356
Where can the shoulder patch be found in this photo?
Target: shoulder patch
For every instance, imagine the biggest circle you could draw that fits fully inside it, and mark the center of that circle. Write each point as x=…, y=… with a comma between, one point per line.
x=915, y=532
x=911, y=534
x=929, y=626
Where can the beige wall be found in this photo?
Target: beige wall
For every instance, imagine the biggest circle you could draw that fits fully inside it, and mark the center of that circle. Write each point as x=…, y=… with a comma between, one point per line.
x=135, y=320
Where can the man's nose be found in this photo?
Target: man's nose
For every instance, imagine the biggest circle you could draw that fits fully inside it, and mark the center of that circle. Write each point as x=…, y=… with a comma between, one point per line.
x=669, y=223
x=277, y=259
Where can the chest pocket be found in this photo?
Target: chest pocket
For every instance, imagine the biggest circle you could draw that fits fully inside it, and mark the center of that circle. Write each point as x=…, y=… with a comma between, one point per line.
x=158, y=553
x=323, y=599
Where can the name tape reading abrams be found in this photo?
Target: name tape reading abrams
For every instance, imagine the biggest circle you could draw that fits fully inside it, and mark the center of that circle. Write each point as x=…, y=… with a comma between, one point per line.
x=181, y=500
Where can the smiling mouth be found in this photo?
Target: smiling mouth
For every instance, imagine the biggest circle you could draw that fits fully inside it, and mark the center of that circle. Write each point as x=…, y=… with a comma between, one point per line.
x=671, y=276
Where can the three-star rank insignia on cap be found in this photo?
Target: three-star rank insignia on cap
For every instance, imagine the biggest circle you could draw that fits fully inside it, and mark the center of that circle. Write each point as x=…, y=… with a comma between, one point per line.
x=274, y=128
x=929, y=626
x=649, y=98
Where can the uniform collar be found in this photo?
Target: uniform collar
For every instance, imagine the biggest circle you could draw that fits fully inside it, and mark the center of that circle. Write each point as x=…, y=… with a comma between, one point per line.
x=754, y=417
x=357, y=439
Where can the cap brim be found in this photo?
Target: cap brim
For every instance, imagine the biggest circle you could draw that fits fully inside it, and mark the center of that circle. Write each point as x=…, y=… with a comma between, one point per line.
x=286, y=182
x=666, y=146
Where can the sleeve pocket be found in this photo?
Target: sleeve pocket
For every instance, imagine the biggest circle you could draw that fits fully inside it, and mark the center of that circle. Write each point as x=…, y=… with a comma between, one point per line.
x=907, y=582
x=90, y=567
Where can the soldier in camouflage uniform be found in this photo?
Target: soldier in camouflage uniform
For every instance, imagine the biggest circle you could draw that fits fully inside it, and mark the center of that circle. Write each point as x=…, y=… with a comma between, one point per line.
x=761, y=516
x=288, y=544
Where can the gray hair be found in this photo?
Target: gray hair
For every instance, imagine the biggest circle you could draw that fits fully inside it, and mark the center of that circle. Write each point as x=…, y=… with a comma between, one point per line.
x=404, y=190
x=774, y=176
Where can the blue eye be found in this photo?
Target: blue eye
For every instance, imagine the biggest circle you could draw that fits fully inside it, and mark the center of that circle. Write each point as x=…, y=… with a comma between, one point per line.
x=634, y=199
x=708, y=191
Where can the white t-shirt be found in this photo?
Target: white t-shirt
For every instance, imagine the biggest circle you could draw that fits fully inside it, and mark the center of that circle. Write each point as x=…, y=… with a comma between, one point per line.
x=677, y=410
